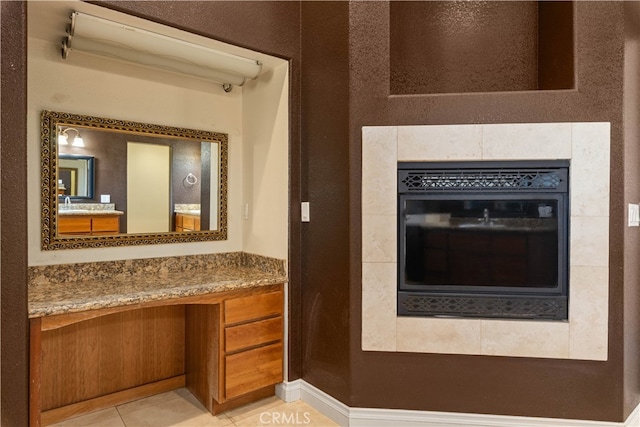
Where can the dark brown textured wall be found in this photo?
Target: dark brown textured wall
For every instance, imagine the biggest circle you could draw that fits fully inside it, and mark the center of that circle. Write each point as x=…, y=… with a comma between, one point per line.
x=631, y=318
x=476, y=384
x=13, y=211
x=339, y=98
x=325, y=243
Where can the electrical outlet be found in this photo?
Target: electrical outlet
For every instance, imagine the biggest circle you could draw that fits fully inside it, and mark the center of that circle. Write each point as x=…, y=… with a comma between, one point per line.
x=634, y=215
x=105, y=198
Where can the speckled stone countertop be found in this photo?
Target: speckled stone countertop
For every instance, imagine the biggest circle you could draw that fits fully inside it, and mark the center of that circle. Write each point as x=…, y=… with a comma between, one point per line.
x=93, y=209
x=187, y=209
x=69, y=288
x=77, y=212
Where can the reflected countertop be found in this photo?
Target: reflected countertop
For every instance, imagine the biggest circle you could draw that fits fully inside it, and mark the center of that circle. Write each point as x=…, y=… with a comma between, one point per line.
x=195, y=212
x=93, y=209
x=492, y=224
x=86, y=212
x=187, y=209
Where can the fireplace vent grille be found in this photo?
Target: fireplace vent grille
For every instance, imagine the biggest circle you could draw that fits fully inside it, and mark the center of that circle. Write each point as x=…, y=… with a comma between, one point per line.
x=485, y=306
x=481, y=180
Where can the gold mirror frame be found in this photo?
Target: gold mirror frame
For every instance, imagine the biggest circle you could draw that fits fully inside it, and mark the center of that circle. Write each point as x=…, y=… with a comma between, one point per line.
x=50, y=121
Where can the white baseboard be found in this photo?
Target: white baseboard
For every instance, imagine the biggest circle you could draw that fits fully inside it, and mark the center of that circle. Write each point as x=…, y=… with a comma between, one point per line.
x=634, y=418
x=289, y=391
x=372, y=417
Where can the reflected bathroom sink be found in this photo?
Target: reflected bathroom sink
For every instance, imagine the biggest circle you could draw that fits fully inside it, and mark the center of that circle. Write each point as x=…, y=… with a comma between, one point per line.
x=481, y=224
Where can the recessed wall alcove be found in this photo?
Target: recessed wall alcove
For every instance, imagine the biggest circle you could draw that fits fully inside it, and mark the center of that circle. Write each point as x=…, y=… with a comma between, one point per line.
x=87, y=84
x=481, y=46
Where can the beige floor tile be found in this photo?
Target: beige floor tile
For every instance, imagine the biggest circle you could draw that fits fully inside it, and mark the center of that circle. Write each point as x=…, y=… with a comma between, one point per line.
x=148, y=402
x=285, y=414
x=254, y=408
x=105, y=418
x=179, y=408
x=176, y=408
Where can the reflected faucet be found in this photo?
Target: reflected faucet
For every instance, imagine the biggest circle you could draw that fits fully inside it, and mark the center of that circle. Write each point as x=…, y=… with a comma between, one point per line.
x=67, y=203
x=485, y=215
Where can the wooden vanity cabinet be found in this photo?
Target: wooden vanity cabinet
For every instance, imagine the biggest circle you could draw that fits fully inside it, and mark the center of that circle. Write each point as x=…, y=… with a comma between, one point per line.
x=105, y=225
x=253, y=343
x=244, y=361
x=187, y=222
x=90, y=225
x=74, y=225
x=226, y=348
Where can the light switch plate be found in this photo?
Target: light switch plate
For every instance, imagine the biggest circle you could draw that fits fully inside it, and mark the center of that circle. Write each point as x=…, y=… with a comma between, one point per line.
x=105, y=198
x=305, y=216
x=634, y=215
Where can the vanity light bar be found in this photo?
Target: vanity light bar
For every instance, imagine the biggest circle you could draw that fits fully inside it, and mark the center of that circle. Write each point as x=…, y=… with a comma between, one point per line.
x=102, y=37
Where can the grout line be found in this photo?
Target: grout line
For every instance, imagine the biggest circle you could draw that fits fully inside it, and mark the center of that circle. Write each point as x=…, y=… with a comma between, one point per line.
x=120, y=415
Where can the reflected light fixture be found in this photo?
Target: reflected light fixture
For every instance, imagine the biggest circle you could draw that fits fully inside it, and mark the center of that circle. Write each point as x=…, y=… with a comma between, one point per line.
x=103, y=37
x=63, y=138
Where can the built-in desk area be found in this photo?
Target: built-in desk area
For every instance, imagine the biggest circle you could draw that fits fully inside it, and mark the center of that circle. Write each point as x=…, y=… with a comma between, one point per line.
x=107, y=333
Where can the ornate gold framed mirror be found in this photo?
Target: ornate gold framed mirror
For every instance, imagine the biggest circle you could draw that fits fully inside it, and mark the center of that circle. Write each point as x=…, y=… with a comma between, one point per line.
x=144, y=183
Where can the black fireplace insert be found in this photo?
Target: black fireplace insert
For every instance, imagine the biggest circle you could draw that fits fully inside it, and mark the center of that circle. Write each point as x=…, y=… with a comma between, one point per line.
x=483, y=239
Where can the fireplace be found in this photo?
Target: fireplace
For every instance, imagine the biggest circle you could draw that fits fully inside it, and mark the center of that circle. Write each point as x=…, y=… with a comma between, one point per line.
x=584, y=334
x=483, y=239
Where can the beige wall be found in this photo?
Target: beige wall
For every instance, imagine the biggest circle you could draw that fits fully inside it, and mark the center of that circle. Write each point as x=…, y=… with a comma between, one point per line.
x=265, y=127
x=148, y=190
x=94, y=86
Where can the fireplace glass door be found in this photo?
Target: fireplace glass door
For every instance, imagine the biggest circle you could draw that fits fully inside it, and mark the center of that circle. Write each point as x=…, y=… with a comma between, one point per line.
x=483, y=240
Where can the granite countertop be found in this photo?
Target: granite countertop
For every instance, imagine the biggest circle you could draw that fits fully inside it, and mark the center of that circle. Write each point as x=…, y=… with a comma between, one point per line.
x=187, y=209
x=83, y=212
x=194, y=212
x=93, y=209
x=49, y=297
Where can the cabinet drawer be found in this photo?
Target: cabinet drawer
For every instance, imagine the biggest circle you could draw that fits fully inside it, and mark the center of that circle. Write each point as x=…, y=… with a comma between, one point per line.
x=239, y=310
x=76, y=224
x=252, y=370
x=188, y=222
x=253, y=334
x=111, y=223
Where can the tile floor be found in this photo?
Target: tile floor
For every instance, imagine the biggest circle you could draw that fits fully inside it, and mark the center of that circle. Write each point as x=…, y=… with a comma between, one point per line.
x=180, y=408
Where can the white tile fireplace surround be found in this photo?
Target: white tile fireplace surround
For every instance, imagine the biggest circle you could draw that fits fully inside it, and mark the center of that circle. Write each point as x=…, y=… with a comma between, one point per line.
x=584, y=335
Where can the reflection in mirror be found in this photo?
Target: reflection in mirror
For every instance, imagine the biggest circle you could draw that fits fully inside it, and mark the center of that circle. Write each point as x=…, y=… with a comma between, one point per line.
x=75, y=176
x=130, y=183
